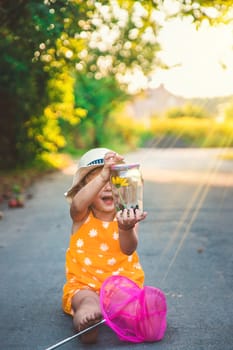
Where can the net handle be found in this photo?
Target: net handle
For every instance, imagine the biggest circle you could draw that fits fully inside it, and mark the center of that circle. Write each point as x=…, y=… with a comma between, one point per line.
x=60, y=343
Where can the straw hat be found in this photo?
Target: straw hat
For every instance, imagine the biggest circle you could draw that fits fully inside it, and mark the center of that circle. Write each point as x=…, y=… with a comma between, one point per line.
x=89, y=161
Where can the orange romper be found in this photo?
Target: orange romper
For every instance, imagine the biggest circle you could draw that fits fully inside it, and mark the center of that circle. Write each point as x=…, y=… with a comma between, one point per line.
x=93, y=255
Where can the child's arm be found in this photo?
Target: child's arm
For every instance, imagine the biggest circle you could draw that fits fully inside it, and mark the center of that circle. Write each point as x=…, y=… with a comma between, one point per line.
x=84, y=198
x=127, y=220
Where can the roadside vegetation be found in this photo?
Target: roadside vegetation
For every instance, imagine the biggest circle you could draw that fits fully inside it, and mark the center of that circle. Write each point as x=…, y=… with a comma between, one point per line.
x=188, y=131
x=66, y=72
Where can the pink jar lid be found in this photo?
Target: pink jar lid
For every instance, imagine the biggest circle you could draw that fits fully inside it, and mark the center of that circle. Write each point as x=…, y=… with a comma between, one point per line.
x=124, y=166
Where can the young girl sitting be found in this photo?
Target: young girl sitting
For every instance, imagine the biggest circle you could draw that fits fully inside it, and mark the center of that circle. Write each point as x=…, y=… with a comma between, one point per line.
x=103, y=243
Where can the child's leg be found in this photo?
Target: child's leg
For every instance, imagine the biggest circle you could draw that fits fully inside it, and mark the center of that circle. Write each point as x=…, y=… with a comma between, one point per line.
x=86, y=307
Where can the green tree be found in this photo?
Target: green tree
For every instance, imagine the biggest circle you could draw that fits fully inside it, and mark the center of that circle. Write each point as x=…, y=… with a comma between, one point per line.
x=99, y=98
x=44, y=44
x=43, y=41
x=24, y=25
x=214, y=11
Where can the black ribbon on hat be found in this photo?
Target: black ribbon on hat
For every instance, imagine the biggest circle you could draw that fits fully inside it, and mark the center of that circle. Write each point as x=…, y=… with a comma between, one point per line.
x=96, y=161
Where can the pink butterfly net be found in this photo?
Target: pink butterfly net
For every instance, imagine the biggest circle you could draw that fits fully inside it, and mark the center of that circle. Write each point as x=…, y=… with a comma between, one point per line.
x=134, y=314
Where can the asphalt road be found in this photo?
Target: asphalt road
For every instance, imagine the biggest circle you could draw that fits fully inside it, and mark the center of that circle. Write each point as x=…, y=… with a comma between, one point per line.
x=186, y=249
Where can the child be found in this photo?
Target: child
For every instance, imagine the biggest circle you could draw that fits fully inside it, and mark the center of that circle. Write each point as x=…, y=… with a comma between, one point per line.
x=103, y=243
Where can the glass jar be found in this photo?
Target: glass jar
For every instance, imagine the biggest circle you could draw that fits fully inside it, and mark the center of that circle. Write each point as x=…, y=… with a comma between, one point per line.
x=127, y=186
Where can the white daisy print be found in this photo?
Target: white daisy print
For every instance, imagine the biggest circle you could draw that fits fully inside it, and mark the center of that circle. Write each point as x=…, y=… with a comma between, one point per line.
x=130, y=258
x=80, y=251
x=111, y=261
x=105, y=224
x=73, y=279
x=93, y=233
x=137, y=266
x=92, y=285
x=115, y=273
x=104, y=247
x=99, y=272
x=116, y=236
x=79, y=243
x=87, y=261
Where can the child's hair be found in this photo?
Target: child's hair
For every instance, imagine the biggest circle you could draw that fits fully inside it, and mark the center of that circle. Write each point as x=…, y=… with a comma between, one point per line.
x=83, y=182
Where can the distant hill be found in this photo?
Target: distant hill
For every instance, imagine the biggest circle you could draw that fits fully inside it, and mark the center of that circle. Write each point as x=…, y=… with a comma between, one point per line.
x=157, y=101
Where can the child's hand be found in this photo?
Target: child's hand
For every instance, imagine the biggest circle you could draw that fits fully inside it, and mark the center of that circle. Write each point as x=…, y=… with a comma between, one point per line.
x=110, y=159
x=128, y=218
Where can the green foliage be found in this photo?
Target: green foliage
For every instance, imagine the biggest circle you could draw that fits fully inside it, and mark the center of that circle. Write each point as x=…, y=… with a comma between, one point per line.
x=193, y=132
x=99, y=97
x=106, y=39
x=229, y=112
x=42, y=44
x=188, y=110
x=24, y=24
x=66, y=65
x=214, y=11
x=124, y=131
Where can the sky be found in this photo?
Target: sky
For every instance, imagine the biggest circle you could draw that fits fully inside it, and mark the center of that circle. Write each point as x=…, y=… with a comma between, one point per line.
x=202, y=59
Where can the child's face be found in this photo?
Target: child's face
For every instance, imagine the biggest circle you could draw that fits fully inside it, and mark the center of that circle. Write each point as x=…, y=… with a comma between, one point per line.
x=103, y=202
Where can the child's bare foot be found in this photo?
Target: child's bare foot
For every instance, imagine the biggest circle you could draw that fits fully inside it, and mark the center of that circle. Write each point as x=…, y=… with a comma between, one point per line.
x=86, y=313
x=91, y=336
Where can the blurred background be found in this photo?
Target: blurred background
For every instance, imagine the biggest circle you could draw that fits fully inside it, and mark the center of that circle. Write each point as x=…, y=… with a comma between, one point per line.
x=121, y=74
